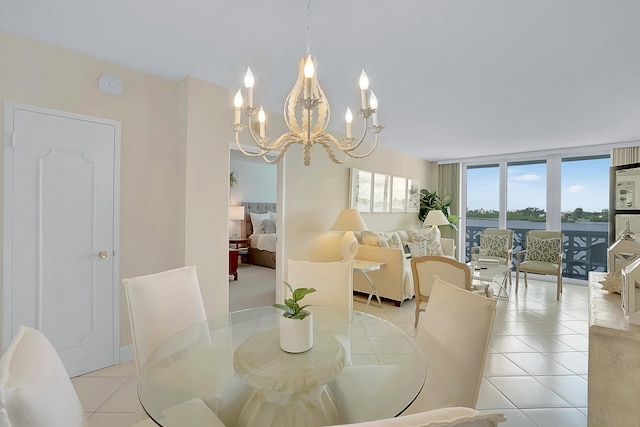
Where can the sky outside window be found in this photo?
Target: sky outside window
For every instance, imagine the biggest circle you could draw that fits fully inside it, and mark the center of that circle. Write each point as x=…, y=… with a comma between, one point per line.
x=527, y=186
x=585, y=184
x=483, y=188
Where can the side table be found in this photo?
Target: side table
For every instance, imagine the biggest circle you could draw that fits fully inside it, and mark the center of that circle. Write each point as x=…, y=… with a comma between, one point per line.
x=366, y=267
x=242, y=245
x=233, y=263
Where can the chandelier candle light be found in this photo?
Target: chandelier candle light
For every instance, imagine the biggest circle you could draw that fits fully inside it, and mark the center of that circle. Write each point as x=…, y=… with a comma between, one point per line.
x=306, y=114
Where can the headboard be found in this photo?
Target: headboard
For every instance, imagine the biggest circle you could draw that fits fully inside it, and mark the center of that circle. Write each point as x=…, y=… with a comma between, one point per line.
x=253, y=207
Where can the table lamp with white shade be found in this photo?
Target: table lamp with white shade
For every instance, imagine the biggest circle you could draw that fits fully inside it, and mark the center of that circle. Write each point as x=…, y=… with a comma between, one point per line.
x=236, y=214
x=349, y=220
x=435, y=218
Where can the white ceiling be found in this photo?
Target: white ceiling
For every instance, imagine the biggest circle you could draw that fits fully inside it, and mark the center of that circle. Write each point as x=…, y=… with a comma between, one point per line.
x=454, y=79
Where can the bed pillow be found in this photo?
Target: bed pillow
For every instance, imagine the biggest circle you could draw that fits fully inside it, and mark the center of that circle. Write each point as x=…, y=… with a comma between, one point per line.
x=269, y=226
x=256, y=222
x=272, y=216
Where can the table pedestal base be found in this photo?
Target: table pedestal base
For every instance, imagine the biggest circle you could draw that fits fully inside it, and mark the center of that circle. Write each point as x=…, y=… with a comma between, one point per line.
x=313, y=407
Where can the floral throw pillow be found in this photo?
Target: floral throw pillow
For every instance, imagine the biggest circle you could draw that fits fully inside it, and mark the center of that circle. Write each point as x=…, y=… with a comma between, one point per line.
x=540, y=249
x=493, y=245
x=395, y=242
x=431, y=237
x=417, y=249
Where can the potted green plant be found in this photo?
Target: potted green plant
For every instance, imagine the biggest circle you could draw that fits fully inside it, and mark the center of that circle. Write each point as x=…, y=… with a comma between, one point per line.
x=430, y=200
x=296, y=323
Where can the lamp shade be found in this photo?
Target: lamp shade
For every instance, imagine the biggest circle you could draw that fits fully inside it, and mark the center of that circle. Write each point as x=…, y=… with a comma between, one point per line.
x=435, y=218
x=236, y=213
x=349, y=220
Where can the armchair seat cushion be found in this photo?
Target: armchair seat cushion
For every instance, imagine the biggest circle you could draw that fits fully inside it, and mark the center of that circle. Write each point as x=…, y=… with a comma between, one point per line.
x=500, y=260
x=541, y=267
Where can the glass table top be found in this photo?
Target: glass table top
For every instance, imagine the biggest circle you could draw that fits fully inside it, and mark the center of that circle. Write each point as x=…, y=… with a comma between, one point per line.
x=364, y=366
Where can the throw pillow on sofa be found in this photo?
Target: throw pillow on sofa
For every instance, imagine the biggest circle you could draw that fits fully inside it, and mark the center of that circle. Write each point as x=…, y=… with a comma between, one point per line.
x=431, y=236
x=372, y=238
x=395, y=242
x=417, y=249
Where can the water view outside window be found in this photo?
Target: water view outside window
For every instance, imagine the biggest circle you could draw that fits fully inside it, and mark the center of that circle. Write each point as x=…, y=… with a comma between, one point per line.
x=583, y=202
x=526, y=200
x=483, y=202
x=585, y=215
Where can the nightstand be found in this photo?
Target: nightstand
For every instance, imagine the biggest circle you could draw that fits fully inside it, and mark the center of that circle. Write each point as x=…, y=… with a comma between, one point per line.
x=242, y=245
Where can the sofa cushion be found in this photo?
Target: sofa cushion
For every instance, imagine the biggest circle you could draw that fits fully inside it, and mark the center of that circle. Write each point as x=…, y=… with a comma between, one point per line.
x=543, y=249
x=493, y=245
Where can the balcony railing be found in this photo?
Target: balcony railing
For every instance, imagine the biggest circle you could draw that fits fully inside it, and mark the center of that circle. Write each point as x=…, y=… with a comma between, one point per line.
x=584, y=251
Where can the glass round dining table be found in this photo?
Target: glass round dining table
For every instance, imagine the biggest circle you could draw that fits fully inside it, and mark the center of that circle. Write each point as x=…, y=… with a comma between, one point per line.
x=230, y=371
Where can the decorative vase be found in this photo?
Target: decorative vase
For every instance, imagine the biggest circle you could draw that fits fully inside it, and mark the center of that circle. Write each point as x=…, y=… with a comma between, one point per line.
x=296, y=335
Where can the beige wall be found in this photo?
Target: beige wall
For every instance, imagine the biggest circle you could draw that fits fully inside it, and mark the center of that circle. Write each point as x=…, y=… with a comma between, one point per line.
x=205, y=109
x=165, y=127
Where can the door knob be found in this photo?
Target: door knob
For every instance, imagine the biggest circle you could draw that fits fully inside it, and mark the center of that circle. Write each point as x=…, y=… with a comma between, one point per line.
x=102, y=254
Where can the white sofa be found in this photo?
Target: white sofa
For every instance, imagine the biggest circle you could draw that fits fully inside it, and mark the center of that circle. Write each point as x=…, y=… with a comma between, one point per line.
x=396, y=282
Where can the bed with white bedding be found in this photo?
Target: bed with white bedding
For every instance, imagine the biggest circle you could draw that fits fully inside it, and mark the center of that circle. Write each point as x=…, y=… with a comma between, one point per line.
x=260, y=221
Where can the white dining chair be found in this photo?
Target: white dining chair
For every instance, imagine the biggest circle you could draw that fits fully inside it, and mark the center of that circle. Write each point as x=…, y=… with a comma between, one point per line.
x=160, y=305
x=333, y=282
x=35, y=389
x=454, y=336
x=427, y=269
x=449, y=417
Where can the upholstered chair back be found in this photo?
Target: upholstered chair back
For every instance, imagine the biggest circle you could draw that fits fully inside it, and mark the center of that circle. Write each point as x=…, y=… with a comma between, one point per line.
x=35, y=390
x=161, y=305
x=454, y=335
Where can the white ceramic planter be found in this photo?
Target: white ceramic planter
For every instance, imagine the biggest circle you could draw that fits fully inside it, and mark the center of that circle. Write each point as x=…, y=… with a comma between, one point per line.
x=296, y=336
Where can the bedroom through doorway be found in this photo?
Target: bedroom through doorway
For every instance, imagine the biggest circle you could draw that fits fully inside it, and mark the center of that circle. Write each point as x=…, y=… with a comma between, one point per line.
x=254, y=186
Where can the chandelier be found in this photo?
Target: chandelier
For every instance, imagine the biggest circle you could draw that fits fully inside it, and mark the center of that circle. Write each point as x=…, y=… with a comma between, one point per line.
x=306, y=114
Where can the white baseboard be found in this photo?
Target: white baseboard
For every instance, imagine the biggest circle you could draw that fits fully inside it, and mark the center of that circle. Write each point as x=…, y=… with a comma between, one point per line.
x=126, y=353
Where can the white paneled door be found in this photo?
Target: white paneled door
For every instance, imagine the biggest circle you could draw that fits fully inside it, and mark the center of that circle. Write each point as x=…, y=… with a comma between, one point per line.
x=60, y=233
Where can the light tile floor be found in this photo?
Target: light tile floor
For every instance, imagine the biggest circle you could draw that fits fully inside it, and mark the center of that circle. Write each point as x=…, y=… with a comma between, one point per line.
x=536, y=369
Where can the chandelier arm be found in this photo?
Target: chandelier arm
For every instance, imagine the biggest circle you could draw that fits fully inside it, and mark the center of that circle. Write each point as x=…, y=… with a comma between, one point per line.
x=339, y=145
x=331, y=154
x=360, y=156
x=328, y=138
x=365, y=128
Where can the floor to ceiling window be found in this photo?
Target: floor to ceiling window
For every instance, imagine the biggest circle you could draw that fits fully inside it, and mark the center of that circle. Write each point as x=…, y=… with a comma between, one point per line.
x=585, y=214
x=554, y=192
x=483, y=202
x=526, y=199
